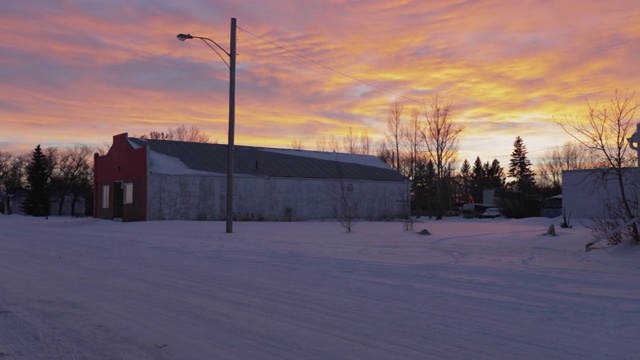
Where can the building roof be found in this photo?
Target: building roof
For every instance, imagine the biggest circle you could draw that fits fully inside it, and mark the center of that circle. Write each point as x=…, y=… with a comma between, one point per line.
x=178, y=157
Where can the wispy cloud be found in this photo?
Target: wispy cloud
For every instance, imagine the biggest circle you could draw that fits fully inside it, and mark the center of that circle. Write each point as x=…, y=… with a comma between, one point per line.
x=87, y=70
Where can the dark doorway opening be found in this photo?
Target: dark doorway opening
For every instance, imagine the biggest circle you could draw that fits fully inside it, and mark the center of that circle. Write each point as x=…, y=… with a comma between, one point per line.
x=117, y=200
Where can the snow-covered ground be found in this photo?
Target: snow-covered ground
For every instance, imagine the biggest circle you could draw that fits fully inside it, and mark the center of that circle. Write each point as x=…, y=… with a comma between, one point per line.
x=474, y=289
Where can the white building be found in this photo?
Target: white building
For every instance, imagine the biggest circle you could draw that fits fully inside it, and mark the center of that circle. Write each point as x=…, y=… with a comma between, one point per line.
x=141, y=179
x=586, y=193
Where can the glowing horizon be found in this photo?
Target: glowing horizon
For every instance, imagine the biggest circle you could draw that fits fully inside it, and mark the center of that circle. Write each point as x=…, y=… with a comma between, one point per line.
x=83, y=72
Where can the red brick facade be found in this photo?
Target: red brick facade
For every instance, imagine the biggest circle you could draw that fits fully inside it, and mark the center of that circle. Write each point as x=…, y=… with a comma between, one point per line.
x=120, y=179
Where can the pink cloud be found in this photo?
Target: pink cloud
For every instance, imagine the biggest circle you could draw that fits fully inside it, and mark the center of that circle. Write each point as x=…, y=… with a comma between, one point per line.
x=84, y=71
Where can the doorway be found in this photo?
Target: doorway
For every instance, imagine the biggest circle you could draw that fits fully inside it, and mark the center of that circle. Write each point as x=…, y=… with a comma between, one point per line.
x=117, y=200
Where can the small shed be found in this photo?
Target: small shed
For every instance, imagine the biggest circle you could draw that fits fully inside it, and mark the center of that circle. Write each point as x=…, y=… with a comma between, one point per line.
x=142, y=179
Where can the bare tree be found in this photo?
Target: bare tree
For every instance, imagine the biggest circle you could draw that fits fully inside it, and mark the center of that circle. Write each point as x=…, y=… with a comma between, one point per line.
x=330, y=144
x=350, y=142
x=181, y=133
x=296, y=144
x=605, y=131
x=570, y=156
x=102, y=149
x=71, y=173
x=354, y=144
x=440, y=136
x=321, y=145
x=346, y=205
x=413, y=138
x=333, y=145
x=394, y=132
x=384, y=154
x=5, y=167
x=15, y=174
x=364, y=143
x=191, y=134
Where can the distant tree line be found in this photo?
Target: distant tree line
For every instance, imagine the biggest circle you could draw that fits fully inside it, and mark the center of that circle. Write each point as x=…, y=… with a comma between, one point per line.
x=422, y=145
x=64, y=175
x=181, y=133
x=49, y=175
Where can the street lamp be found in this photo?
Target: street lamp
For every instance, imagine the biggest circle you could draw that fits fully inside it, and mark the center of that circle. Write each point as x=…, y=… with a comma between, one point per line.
x=232, y=109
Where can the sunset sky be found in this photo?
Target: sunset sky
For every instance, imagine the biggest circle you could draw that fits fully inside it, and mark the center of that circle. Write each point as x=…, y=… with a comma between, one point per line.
x=81, y=71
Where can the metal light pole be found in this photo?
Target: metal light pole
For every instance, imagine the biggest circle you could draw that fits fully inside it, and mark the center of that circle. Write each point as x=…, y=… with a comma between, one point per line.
x=232, y=110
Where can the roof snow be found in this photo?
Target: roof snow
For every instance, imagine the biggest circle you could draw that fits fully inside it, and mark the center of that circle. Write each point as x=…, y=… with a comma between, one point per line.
x=366, y=160
x=178, y=157
x=170, y=165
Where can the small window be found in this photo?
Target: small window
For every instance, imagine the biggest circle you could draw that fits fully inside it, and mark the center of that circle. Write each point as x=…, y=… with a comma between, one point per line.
x=105, y=196
x=128, y=193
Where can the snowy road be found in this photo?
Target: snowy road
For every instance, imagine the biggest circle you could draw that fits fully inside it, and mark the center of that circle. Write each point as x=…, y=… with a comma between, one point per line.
x=89, y=289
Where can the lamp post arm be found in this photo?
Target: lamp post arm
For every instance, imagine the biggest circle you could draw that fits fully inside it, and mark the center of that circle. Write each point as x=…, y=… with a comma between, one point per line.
x=215, y=43
x=204, y=40
x=208, y=42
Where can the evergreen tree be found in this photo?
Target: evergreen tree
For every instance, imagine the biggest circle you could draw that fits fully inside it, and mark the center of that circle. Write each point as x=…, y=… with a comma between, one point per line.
x=477, y=180
x=38, y=174
x=448, y=190
x=424, y=187
x=522, y=201
x=485, y=176
x=495, y=175
x=466, y=181
x=520, y=168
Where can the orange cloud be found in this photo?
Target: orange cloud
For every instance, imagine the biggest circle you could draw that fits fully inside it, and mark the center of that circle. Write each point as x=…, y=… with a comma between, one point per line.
x=73, y=73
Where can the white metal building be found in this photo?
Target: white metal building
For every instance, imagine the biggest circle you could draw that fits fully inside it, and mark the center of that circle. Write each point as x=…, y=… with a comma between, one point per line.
x=141, y=179
x=585, y=193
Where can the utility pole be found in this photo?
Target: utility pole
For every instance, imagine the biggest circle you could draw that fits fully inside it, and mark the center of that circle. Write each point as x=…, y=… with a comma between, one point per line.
x=232, y=120
x=232, y=109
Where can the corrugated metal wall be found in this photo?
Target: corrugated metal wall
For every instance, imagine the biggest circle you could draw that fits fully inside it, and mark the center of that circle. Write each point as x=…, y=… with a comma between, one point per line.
x=585, y=192
x=201, y=197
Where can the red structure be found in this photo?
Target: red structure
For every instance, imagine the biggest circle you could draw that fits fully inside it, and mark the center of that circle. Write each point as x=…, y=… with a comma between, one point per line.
x=120, y=180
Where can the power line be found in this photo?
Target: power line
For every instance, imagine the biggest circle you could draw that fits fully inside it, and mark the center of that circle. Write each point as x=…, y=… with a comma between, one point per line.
x=329, y=67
